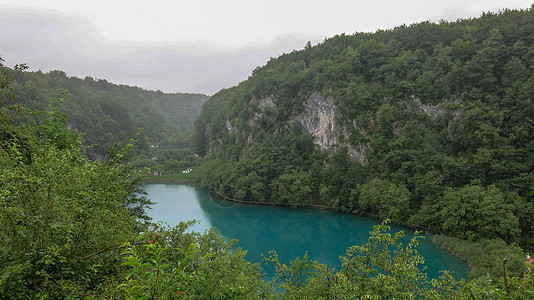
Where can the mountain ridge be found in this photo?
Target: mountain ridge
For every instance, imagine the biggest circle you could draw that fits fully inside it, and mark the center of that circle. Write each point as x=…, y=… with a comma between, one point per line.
x=108, y=113
x=420, y=124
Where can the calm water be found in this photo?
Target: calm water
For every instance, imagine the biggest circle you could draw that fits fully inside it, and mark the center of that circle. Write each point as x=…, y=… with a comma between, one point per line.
x=291, y=232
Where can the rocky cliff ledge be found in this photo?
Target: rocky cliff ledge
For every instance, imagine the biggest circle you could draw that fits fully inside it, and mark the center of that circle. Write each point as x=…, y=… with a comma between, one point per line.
x=319, y=119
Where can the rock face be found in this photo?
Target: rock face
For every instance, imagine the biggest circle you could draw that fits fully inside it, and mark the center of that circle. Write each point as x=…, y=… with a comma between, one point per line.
x=319, y=119
x=433, y=111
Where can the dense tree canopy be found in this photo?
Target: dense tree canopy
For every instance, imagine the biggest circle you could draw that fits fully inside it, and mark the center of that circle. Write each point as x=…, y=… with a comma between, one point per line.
x=73, y=228
x=107, y=113
x=441, y=115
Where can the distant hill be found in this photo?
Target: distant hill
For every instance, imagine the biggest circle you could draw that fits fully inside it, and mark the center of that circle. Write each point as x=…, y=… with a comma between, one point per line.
x=430, y=125
x=107, y=113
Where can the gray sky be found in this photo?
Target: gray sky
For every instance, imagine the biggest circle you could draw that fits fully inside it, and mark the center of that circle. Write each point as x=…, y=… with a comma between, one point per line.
x=196, y=46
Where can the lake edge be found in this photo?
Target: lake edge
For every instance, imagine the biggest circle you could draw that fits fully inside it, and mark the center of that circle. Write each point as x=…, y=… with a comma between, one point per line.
x=330, y=210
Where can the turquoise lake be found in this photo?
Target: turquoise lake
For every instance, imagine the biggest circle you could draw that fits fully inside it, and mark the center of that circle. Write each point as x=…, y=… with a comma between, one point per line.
x=325, y=235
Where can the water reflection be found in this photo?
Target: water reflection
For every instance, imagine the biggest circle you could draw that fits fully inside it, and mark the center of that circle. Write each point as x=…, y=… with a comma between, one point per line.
x=325, y=235
x=291, y=232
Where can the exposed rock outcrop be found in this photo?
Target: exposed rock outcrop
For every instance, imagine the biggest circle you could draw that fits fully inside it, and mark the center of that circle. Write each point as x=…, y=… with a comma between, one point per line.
x=320, y=119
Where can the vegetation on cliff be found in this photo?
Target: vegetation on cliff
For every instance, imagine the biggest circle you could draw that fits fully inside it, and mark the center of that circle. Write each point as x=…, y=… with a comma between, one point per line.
x=73, y=228
x=435, y=128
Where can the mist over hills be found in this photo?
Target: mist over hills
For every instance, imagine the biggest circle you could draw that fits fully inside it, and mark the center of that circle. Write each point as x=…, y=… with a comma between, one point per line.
x=106, y=113
x=428, y=125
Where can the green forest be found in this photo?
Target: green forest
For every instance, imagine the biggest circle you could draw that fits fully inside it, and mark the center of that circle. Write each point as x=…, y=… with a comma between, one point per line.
x=109, y=114
x=435, y=126
x=435, y=132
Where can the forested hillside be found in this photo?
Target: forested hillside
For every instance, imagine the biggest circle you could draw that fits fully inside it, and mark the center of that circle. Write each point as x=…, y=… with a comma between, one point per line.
x=430, y=125
x=107, y=113
x=74, y=228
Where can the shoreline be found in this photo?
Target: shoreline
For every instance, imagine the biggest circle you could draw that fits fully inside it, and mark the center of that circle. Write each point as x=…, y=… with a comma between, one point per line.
x=426, y=231
x=172, y=179
x=315, y=206
x=169, y=179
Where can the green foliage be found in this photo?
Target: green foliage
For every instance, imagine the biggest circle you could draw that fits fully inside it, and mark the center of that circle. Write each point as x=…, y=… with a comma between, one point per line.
x=165, y=161
x=440, y=116
x=293, y=189
x=151, y=275
x=272, y=166
x=386, y=268
x=211, y=269
x=339, y=181
x=294, y=278
x=473, y=212
x=433, y=127
x=483, y=256
x=385, y=200
x=58, y=210
x=106, y=113
x=383, y=268
x=65, y=218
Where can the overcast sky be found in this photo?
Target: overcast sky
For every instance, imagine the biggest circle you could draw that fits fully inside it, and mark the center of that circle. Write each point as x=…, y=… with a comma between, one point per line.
x=196, y=46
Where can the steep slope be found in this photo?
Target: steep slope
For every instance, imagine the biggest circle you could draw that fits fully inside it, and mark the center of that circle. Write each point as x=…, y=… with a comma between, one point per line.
x=430, y=125
x=107, y=113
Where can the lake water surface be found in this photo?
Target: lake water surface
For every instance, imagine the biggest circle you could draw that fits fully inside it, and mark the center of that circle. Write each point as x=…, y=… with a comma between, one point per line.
x=325, y=235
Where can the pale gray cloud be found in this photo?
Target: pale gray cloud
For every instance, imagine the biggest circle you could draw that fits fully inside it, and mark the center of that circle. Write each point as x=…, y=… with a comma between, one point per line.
x=195, y=46
x=50, y=41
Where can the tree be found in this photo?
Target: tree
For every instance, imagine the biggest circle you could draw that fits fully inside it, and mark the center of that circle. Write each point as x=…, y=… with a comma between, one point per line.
x=57, y=209
x=293, y=188
x=384, y=199
x=473, y=212
x=176, y=263
x=383, y=268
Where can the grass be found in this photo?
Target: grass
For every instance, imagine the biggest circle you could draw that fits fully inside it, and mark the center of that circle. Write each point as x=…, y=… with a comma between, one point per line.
x=485, y=256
